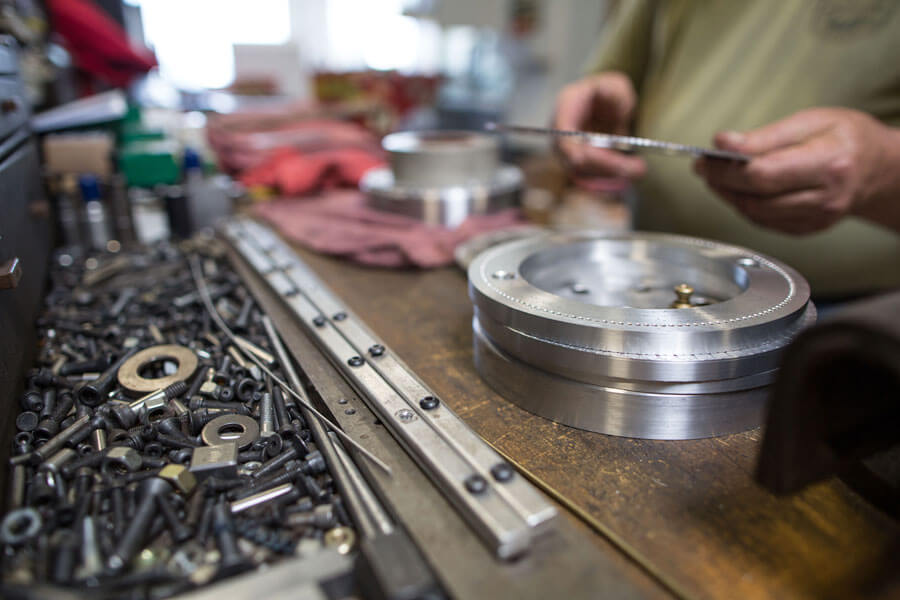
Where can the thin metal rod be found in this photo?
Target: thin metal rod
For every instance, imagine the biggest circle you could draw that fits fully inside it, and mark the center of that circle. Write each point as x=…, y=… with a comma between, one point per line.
x=200, y=282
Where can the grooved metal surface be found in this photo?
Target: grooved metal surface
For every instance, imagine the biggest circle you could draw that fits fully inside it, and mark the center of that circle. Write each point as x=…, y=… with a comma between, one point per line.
x=591, y=314
x=508, y=515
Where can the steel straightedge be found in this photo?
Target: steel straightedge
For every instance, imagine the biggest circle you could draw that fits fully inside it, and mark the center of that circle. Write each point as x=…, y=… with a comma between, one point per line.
x=587, y=319
x=508, y=513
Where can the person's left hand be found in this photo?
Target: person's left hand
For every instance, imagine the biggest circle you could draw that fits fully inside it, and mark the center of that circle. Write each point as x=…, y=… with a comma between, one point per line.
x=809, y=170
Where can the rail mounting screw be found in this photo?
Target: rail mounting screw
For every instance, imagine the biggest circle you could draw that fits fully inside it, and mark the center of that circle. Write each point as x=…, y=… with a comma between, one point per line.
x=502, y=471
x=355, y=361
x=319, y=321
x=339, y=316
x=376, y=350
x=476, y=484
x=429, y=403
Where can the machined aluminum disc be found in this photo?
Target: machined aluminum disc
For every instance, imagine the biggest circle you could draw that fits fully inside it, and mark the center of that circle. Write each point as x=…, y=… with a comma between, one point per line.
x=595, y=309
x=442, y=205
x=615, y=411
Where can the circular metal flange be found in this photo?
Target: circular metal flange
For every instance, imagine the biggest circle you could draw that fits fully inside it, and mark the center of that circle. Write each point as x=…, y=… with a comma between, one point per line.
x=433, y=159
x=615, y=411
x=608, y=295
x=447, y=205
x=240, y=429
x=129, y=373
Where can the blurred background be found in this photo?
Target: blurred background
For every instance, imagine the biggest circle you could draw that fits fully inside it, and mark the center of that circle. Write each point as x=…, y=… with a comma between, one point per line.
x=186, y=110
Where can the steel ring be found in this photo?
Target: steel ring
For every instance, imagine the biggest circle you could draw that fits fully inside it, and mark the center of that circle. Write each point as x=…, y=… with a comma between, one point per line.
x=129, y=373
x=20, y=525
x=240, y=429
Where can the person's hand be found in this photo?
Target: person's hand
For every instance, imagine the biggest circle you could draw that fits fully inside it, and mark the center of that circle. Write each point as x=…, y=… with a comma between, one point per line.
x=602, y=103
x=809, y=170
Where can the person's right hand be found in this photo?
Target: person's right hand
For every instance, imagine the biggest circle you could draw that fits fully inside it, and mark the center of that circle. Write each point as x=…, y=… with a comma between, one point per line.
x=602, y=103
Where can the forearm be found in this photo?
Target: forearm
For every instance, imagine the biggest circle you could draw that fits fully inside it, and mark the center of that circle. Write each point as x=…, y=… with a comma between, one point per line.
x=883, y=205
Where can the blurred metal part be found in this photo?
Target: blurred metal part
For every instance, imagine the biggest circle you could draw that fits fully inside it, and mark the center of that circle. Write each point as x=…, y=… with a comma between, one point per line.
x=589, y=313
x=447, y=205
x=433, y=159
x=624, y=143
x=466, y=252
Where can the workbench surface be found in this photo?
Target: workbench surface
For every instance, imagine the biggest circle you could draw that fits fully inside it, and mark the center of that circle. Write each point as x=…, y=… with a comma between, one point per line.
x=689, y=511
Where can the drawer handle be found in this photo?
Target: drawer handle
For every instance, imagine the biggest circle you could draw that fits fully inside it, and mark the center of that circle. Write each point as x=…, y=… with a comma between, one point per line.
x=10, y=273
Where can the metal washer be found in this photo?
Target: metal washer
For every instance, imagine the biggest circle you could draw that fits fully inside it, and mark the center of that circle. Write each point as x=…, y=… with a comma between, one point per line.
x=129, y=373
x=212, y=431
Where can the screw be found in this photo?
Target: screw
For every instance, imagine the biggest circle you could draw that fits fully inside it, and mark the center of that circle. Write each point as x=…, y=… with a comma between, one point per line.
x=429, y=403
x=502, y=471
x=355, y=361
x=319, y=321
x=376, y=350
x=476, y=484
x=180, y=532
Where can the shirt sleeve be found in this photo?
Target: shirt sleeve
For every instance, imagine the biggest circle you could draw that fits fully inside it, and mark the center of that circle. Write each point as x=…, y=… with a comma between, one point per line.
x=625, y=41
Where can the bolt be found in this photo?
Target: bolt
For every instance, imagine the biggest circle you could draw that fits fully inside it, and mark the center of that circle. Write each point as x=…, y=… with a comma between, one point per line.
x=222, y=376
x=340, y=316
x=27, y=421
x=180, y=532
x=68, y=434
x=319, y=321
x=355, y=361
x=266, y=416
x=232, y=560
x=94, y=393
x=198, y=402
x=429, y=403
x=502, y=471
x=476, y=484
x=86, y=366
x=32, y=400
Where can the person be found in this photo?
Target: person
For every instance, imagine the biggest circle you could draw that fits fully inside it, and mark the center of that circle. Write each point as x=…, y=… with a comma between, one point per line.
x=809, y=90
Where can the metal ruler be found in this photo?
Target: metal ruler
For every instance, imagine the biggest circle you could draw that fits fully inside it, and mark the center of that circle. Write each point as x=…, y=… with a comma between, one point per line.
x=505, y=510
x=624, y=143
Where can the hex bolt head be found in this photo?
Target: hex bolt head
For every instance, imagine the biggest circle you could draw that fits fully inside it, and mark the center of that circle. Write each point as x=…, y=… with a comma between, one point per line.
x=179, y=477
x=355, y=361
x=340, y=316
x=319, y=321
x=502, y=471
x=376, y=350
x=429, y=403
x=476, y=484
x=27, y=421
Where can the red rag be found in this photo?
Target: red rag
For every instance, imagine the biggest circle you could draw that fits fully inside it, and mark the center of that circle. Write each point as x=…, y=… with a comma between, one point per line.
x=97, y=43
x=338, y=222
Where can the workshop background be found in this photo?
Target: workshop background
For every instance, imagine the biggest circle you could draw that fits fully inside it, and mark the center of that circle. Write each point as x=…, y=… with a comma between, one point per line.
x=284, y=313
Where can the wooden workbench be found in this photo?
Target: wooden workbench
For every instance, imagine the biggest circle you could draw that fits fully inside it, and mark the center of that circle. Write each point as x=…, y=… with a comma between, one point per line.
x=689, y=510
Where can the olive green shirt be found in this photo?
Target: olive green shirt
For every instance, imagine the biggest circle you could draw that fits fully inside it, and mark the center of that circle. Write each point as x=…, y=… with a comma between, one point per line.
x=704, y=66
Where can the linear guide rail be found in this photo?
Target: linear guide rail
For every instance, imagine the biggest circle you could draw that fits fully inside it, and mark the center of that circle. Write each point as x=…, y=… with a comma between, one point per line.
x=503, y=508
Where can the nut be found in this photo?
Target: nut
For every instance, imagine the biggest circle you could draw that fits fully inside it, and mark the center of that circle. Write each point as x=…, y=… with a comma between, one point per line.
x=122, y=459
x=180, y=478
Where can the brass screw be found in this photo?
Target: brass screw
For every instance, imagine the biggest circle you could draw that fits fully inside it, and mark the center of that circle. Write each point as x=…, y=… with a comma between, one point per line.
x=683, y=296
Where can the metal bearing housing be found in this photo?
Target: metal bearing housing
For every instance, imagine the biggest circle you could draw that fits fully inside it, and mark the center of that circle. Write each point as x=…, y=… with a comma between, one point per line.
x=578, y=328
x=442, y=177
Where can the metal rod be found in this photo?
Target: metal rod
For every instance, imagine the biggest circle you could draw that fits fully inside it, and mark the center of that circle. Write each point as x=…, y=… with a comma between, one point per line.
x=203, y=292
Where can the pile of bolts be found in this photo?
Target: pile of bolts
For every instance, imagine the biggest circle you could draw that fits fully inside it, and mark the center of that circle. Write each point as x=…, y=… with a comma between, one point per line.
x=152, y=455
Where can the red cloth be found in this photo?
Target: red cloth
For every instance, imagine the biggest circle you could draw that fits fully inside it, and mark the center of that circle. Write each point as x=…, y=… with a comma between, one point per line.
x=340, y=223
x=97, y=44
x=245, y=140
x=295, y=173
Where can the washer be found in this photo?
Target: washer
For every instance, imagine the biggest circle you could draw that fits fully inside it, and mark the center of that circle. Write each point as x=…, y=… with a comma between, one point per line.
x=129, y=373
x=20, y=525
x=216, y=431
